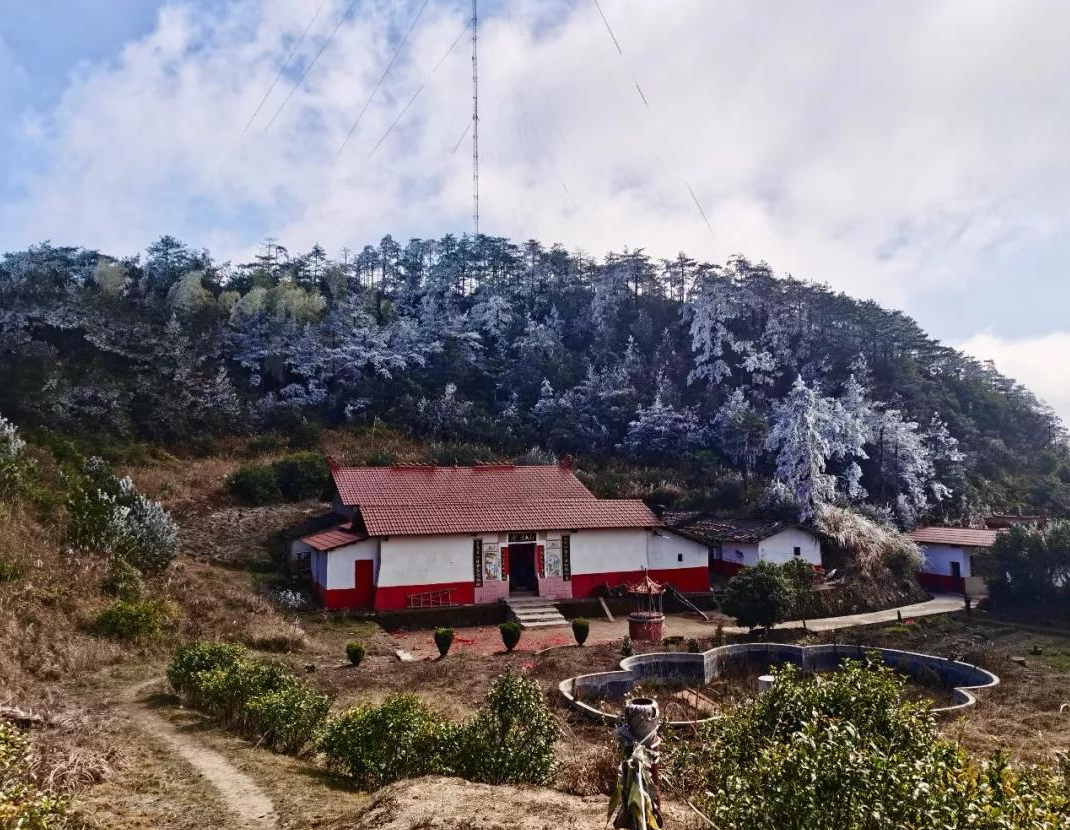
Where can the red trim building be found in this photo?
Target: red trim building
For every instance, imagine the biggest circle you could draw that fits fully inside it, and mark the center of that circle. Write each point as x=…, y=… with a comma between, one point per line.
x=949, y=555
x=735, y=544
x=412, y=536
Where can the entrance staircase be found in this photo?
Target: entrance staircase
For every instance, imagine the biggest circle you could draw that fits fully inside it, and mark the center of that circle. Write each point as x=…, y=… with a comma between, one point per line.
x=535, y=612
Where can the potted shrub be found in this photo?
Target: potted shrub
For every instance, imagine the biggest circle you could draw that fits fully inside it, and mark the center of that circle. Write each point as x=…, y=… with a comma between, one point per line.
x=580, y=629
x=443, y=639
x=510, y=634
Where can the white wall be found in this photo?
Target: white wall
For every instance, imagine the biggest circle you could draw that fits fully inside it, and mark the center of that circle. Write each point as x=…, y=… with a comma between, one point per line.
x=779, y=548
x=938, y=559
x=740, y=553
x=666, y=549
x=340, y=571
x=425, y=560
x=606, y=551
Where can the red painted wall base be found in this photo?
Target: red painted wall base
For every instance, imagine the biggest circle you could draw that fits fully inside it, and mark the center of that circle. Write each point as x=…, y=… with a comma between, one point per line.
x=693, y=580
x=943, y=583
x=393, y=597
x=720, y=566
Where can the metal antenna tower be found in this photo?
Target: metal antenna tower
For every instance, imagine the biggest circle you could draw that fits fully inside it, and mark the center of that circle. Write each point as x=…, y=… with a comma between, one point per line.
x=475, y=118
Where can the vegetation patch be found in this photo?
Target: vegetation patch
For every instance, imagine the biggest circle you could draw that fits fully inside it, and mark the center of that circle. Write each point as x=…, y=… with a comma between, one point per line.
x=294, y=478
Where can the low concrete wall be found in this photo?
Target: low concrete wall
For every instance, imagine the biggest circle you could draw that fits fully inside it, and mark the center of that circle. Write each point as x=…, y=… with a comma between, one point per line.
x=703, y=668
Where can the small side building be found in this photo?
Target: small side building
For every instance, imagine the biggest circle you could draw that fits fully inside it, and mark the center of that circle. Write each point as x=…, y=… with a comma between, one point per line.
x=949, y=555
x=734, y=544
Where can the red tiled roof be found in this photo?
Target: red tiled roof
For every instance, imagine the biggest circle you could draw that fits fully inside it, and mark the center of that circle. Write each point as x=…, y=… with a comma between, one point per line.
x=560, y=514
x=963, y=536
x=456, y=485
x=336, y=537
x=707, y=529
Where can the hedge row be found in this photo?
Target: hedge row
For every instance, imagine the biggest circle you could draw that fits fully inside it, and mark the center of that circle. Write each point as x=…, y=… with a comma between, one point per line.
x=510, y=739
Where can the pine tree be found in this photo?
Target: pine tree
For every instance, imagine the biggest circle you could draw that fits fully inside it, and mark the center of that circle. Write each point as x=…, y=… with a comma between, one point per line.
x=799, y=437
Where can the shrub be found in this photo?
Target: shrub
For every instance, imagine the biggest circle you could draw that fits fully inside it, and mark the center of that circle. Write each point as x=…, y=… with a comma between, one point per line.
x=10, y=571
x=288, y=718
x=123, y=581
x=307, y=435
x=868, y=544
x=133, y=620
x=511, y=739
x=355, y=652
x=510, y=632
x=192, y=659
x=461, y=455
x=223, y=692
x=400, y=738
x=302, y=476
x=107, y=515
x=14, y=464
x=626, y=647
x=693, y=646
x=23, y=806
x=759, y=596
x=381, y=458
x=580, y=630
x=296, y=477
x=255, y=484
x=877, y=762
x=443, y=640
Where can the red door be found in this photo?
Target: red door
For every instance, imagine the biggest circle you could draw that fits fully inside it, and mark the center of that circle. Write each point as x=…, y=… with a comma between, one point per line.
x=363, y=583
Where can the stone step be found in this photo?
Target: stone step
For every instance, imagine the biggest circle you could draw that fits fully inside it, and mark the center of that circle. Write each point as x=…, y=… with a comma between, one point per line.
x=525, y=601
x=545, y=624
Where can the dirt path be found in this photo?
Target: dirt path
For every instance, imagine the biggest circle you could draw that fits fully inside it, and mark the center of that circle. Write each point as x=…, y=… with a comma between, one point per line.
x=251, y=808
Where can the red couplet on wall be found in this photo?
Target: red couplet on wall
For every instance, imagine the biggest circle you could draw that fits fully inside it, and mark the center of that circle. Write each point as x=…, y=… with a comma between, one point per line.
x=505, y=561
x=539, y=561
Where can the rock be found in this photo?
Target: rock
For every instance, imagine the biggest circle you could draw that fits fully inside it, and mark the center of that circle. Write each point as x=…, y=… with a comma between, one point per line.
x=404, y=656
x=20, y=717
x=1019, y=660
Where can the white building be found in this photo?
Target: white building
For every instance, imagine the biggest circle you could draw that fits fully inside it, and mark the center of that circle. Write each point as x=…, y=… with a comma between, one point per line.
x=949, y=555
x=416, y=536
x=734, y=544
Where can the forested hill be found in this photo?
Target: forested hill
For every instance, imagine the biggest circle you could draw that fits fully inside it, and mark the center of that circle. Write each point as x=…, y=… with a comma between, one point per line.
x=728, y=371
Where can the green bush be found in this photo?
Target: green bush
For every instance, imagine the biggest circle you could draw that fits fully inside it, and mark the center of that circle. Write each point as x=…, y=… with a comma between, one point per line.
x=224, y=691
x=377, y=744
x=296, y=477
x=580, y=630
x=23, y=806
x=510, y=632
x=287, y=719
x=443, y=640
x=511, y=739
x=302, y=476
x=381, y=458
x=133, y=620
x=693, y=646
x=355, y=652
x=307, y=435
x=192, y=659
x=255, y=484
x=123, y=581
x=759, y=596
x=626, y=647
x=842, y=751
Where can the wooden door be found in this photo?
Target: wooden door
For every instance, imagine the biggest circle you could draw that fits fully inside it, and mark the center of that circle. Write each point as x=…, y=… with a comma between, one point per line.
x=364, y=583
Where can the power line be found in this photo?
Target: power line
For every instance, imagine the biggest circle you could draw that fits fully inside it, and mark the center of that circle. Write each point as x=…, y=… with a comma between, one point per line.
x=312, y=63
x=416, y=94
x=650, y=112
x=285, y=64
x=382, y=78
x=464, y=135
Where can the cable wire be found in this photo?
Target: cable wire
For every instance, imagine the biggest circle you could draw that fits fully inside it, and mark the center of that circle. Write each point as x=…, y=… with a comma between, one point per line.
x=312, y=63
x=416, y=94
x=285, y=64
x=382, y=78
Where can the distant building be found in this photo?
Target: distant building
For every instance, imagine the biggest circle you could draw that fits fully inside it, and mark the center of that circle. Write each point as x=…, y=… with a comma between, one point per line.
x=734, y=544
x=415, y=536
x=949, y=555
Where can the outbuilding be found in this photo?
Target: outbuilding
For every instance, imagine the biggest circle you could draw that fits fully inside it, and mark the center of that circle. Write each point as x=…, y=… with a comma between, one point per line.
x=949, y=555
x=735, y=544
x=415, y=536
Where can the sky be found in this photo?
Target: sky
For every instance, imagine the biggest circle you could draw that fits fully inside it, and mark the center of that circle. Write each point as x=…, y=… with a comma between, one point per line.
x=914, y=153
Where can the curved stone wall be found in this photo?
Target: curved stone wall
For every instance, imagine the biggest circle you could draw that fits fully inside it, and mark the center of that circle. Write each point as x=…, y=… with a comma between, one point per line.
x=704, y=667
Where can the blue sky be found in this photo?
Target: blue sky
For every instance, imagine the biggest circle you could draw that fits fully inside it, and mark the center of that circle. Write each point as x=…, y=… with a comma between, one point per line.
x=911, y=153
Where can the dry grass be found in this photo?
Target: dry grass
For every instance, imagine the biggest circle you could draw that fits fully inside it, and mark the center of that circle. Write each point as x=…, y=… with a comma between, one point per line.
x=870, y=547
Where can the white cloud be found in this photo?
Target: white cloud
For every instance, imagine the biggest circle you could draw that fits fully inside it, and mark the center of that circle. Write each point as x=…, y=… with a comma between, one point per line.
x=880, y=148
x=1040, y=363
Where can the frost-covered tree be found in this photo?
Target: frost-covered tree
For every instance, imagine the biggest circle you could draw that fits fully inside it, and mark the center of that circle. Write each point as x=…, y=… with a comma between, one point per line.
x=660, y=430
x=740, y=432
x=799, y=438
x=13, y=463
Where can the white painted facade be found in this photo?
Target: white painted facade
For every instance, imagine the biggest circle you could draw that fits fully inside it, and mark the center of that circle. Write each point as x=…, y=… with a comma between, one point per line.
x=668, y=550
x=939, y=559
x=778, y=549
x=425, y=560
x=335, y=569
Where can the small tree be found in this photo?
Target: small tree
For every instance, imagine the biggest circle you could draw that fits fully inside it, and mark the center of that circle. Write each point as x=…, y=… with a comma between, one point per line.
x=443, y=640
x=580, y=629
x=759, y=597
x=800, y=576
x=510, y=632
x=355, y=652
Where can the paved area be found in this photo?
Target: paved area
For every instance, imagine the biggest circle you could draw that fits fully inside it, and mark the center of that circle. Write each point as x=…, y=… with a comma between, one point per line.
x=487, y=639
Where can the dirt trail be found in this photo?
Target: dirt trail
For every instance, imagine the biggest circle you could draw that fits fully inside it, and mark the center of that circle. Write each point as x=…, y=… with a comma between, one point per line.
x=251, y=808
